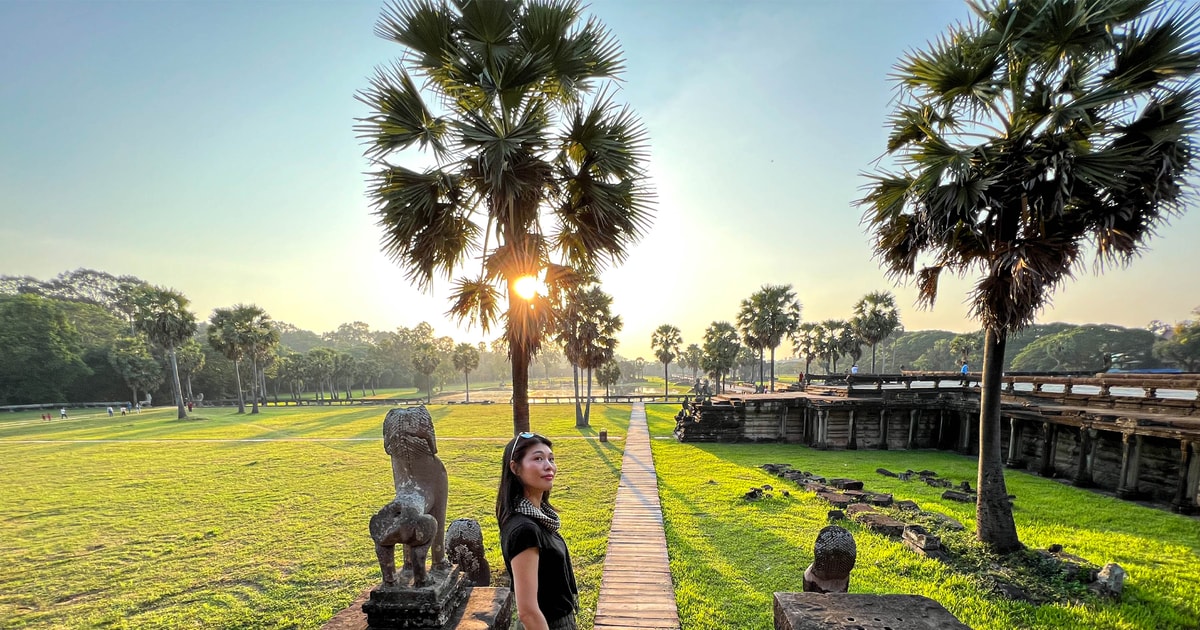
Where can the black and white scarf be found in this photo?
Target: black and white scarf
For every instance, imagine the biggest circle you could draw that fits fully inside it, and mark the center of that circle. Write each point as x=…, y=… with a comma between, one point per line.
x=546, y=516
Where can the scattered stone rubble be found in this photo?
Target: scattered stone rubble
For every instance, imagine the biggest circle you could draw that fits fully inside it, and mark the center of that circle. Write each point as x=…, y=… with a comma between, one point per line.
x=848, y=498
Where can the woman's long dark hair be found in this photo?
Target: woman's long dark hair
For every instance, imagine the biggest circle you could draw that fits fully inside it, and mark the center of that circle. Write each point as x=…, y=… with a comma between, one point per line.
x=511, y=489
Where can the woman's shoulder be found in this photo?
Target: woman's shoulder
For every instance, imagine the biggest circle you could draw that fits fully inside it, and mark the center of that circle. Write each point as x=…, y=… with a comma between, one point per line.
x=518, y=523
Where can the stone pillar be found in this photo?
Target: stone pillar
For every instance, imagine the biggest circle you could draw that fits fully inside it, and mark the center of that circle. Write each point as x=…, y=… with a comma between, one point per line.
x=883, y=429
x=823, y=427
x=852, y=444
x=1083, y=467
x=941, y=428
x=964, y=442
x=1182, y=503
x=1049, y=435
x=1130, y=452
x=913, y=417
x=1014, y=444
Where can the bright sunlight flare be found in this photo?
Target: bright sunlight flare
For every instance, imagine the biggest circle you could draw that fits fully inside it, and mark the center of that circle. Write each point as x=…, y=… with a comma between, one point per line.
x=529, y=286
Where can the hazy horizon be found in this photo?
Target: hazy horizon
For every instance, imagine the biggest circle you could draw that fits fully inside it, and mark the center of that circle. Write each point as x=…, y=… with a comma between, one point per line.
x=210, y=147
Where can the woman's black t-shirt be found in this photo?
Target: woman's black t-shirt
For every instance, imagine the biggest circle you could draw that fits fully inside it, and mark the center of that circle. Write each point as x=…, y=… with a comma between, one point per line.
x=557, y=593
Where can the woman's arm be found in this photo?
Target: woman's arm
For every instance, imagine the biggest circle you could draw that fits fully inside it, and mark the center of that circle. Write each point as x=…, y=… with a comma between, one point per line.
x=525, y=584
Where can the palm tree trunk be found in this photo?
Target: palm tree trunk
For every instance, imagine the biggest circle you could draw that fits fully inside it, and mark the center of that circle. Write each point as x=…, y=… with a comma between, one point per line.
x=189, y=387
x=175, y=386
x=666, y=383
x=254, y=387
x=135, y=398
x=994, y=518
x=872, y=358
x=772, y=369
x=237, y=370
x=587, y=413
x=760, y=367
x=578, y=402
x=467, y=377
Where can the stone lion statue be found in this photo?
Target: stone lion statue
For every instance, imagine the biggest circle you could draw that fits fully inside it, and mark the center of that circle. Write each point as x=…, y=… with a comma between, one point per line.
x=416, y=518
x=464, y=545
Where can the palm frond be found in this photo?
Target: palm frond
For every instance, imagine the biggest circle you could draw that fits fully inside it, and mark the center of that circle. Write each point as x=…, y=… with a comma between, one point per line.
x=475, y=301
x=427, y=228
x=400, y=116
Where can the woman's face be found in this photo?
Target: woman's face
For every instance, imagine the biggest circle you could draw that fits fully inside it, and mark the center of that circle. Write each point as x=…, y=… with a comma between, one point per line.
x=536, y=469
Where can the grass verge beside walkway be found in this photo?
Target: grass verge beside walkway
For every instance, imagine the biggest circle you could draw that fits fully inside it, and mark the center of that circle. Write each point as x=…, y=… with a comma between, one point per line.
x=252, y=534
x=728, y=555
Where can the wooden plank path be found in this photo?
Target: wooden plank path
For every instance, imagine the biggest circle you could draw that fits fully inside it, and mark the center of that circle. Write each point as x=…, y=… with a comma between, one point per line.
x=636, y=590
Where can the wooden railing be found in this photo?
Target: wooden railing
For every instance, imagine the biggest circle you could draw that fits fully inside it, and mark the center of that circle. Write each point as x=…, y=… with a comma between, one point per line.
x=1114, y=385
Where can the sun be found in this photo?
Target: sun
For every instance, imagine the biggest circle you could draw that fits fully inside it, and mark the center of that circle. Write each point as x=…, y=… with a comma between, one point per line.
x=528, y=287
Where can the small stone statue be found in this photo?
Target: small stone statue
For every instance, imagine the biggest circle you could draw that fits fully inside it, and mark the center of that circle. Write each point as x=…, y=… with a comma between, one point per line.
x=464, y=546
x=416, y=518
x=834, y=554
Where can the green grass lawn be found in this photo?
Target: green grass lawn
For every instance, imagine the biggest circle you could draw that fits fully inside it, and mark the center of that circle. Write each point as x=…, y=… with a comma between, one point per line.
x=728, y=555
x=172, y=525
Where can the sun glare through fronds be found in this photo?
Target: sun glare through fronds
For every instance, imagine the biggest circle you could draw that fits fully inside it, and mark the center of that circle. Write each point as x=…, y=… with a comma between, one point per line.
x=528, y=287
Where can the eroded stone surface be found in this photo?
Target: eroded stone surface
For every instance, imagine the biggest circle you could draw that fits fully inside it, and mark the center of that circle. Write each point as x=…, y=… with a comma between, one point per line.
x=464, y=546
x=817, y=611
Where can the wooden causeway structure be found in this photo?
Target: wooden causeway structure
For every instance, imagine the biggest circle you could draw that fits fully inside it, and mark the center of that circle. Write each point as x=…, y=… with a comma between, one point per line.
x=636, y=590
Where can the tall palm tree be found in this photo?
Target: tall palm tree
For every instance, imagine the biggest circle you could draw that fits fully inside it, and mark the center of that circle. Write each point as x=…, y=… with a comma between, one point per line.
x=875, y=318
x=466, y=359
x=163, y=317
x=587, y=331
x=536, y=169
x=693, y=356
x=666, y=341
x=806, y=341
x=425, y=360
x=259, y=338
x=769, y=315
x=720, y=351
x=1020, y=141
x=224, y=337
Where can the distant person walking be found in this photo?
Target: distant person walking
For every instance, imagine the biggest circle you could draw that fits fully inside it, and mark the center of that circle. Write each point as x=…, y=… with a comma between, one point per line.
x=110, y=412
x=139, y=407
x=62, y=413
x=124, y=410
x=854, y=369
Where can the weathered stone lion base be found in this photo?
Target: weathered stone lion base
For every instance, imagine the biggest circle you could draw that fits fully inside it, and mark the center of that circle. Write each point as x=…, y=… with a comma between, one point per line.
x=431, y=606
x=484, y=609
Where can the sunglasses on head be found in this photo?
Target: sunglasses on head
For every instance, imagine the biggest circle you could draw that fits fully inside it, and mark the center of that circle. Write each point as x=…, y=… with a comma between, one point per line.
x=520, y=436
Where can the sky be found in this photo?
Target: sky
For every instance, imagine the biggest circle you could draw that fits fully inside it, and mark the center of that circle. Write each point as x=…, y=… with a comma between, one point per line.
x=209, y=147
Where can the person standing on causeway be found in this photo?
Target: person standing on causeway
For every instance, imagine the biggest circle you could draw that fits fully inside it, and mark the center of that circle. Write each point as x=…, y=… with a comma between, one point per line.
x=535, y=554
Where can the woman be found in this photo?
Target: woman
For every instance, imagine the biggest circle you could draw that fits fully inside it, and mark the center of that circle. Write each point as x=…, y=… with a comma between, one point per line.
x=534, y=553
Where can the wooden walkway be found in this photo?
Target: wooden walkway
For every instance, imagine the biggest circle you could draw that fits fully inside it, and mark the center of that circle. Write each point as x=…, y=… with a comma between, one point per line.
x=636, y=590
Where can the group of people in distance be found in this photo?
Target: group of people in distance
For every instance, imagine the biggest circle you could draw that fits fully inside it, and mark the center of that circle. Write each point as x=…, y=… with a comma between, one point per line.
x=62, y=413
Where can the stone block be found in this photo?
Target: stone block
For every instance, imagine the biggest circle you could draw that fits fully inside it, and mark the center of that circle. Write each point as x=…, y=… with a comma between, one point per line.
x=881, y=523
x=484, y=609
x=820, y=611
x=961, y=497
x=857, y=496
x=858, y=508
x=846, y=484
x=835, y=515
x=879, y=499
x=945, y=521
x=836, y=500
x=908, y=506
x=886, y=473
x=1110, y=581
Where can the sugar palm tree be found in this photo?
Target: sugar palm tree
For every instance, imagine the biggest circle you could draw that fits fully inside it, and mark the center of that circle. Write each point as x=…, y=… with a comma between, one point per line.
x=466, y=359
x=224, y=337
x=769, y=315
x=875, y=319
x=1021, y=141
x=693, y=356
x=806, y=341
x=536, y=171
x=666, y=341
x=587, y=331
x=163, y=317
x=720, y=351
